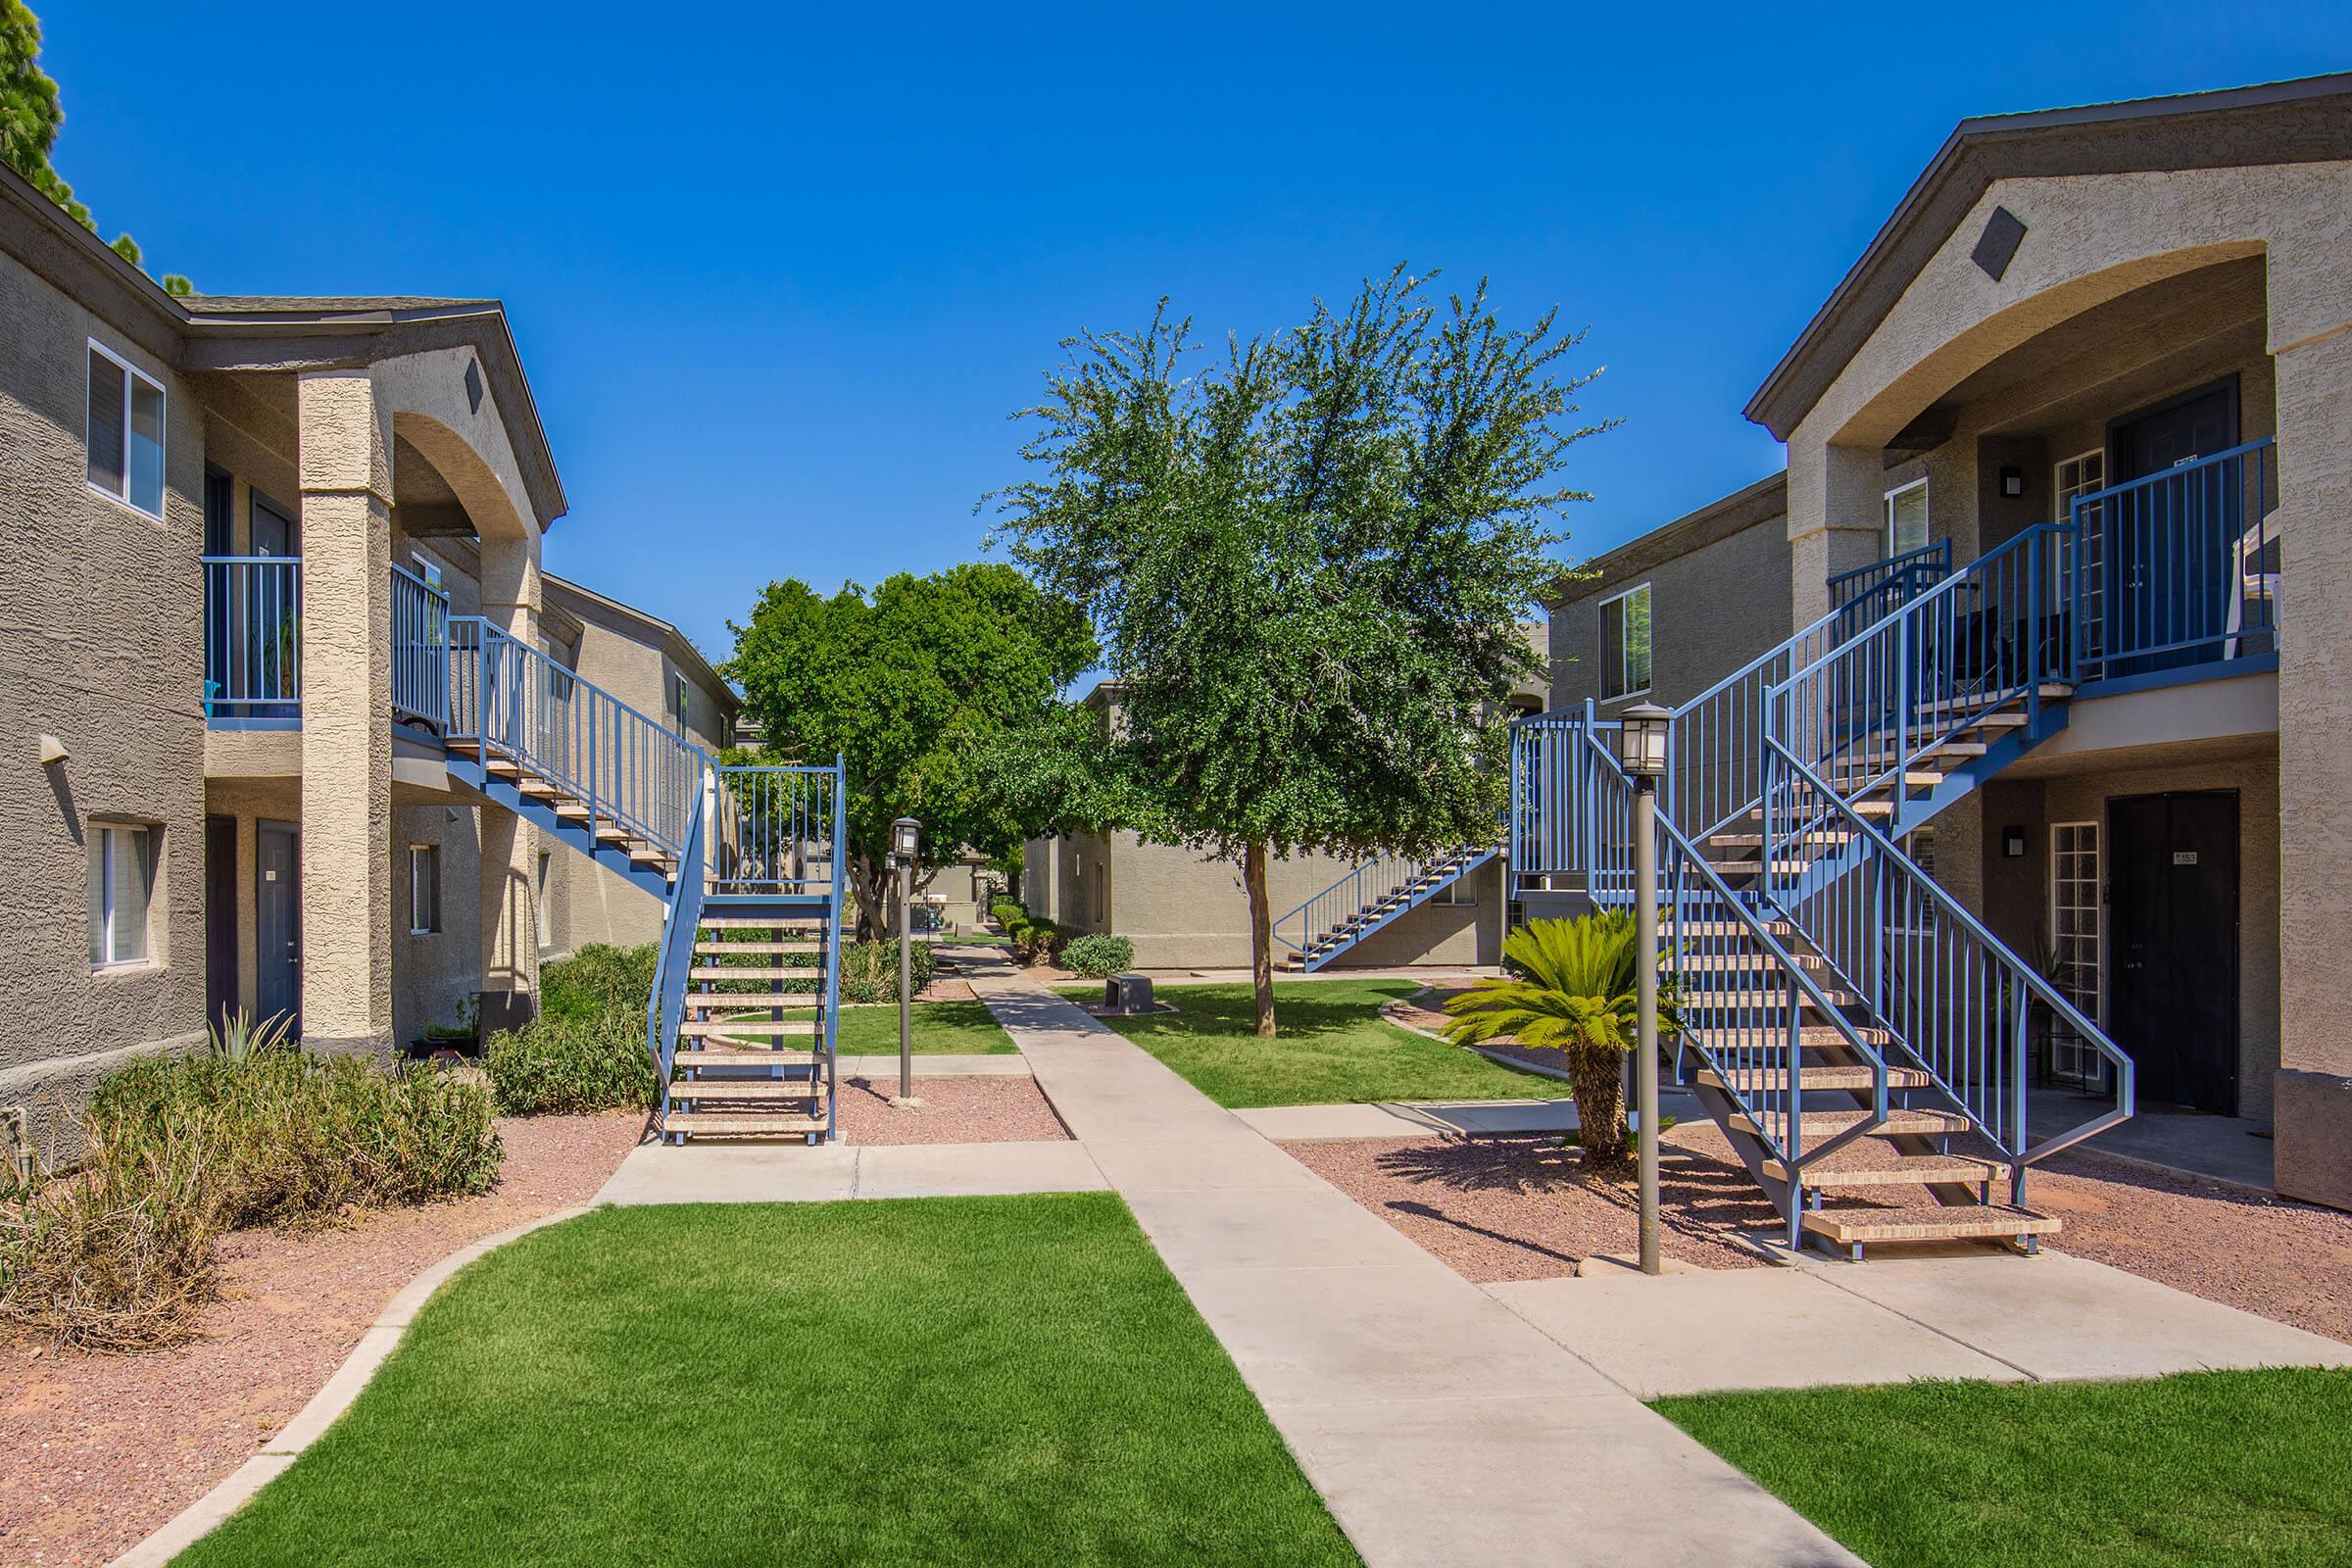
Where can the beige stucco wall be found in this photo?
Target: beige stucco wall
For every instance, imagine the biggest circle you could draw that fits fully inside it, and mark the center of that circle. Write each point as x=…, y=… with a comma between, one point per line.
x=101, y=645
x=1707, y=618
x=1185, y=911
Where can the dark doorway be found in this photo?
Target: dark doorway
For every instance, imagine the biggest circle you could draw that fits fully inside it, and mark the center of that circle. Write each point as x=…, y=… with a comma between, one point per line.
x=220, y=919
x=2172, y=542
x=278, y=923
x=2173, y=915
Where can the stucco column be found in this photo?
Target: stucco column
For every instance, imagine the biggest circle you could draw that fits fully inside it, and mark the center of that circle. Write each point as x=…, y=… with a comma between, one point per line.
x=2314, y=1106
x=1836, y=504
x=510, y=598
x=346, y=477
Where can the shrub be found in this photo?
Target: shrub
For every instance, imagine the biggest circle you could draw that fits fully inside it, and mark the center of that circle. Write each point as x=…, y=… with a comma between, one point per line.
x=1036, y=940
x=1099, y=957
x=597, y=979
x=869, y=970
x=1005, y=910
x=118, y=1256
x=568, y=1064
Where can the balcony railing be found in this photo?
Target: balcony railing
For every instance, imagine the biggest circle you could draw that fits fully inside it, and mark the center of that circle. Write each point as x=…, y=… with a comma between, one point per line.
x=2177, y=567
x=253, y=641
x=419, y=650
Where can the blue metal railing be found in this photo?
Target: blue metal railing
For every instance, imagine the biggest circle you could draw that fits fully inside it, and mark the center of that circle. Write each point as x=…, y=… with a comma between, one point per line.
x=774, y=829
x=1957, y=1003
x=518, y=703
x=2178, y=568
x=1867, y=593
x=419, y=648
x=1365, y=889
x=673, y=959
x=253, y=638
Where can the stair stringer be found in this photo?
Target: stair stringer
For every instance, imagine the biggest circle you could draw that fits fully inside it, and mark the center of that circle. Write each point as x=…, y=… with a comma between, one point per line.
x=579, y=835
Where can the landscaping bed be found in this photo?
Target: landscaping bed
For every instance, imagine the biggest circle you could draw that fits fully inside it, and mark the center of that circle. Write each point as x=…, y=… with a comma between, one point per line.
x=2208, y=1467
x=102, y=1450
x=974, y=1380
x=954, y=1111
x=1333, y=1047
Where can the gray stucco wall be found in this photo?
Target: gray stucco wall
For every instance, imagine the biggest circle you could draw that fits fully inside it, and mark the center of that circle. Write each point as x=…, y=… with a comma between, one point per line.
x=1711, y=611
x=101, y=644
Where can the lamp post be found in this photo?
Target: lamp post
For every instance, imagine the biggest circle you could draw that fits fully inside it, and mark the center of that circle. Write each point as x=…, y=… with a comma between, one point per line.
x=905, y=837
x=1642, y=748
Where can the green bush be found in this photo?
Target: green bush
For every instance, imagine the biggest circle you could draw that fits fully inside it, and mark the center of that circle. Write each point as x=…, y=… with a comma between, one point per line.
x=118, y=1256
x=572, y=1065
x=1099, y=957
x=1036, y=940
x=1006, y=910
x=586, y=1050
x=869, y=970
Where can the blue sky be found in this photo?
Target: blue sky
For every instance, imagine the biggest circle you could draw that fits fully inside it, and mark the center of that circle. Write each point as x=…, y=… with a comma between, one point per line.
x=780, y=272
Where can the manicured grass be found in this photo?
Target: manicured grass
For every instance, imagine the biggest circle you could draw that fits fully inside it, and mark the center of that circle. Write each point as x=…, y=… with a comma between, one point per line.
x=972, y=1379
x=2208, y=1467
x=939, y=1028
x=1333, y=1047
x=974, y=939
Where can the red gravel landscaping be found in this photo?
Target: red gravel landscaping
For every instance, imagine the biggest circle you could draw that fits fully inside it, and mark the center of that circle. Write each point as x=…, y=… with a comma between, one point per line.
x=101, y=1450
x=1515, y=1209
x=954, y=1110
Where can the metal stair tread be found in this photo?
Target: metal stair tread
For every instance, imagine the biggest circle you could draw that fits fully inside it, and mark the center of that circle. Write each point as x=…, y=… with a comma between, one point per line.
x=1895, y=1170
x=724, y=971
x=1820, y=1126
x=709, y=1089
x=741, y=1122
x=710, y=1055
x=1817, y=1078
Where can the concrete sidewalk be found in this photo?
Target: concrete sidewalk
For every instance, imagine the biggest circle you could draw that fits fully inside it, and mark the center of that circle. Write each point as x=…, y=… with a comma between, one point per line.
x=1439, y=1426
x=793, y=1173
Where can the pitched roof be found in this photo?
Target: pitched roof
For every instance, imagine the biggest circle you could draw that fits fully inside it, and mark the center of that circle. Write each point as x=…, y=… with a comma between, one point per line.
x=2307, y=120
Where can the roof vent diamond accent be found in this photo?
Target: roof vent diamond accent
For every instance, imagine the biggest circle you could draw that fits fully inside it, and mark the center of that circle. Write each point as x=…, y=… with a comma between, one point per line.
x=2003, y=231
x=473, y=378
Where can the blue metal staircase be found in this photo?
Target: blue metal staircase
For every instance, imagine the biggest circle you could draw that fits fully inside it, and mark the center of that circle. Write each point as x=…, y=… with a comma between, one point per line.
x=1369, y=897
x=742, y=1022
x=1861, y=1038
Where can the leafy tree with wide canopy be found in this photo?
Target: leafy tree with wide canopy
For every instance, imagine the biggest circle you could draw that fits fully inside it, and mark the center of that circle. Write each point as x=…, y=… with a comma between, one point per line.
x=1307, y=559
x=923, y=688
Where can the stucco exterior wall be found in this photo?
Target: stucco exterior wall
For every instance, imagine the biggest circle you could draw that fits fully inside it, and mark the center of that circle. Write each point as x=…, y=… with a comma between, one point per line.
x=1708, y=617
x=101, y=645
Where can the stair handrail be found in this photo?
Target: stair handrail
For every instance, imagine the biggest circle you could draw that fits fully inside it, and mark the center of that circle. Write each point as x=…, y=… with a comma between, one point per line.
x=516, y=700
x=1902, y=576
x=1872, y=901
x=673, y=957
x=1689, y=885
x=1365, y=884
x=830, y=1018
x=1906, y=683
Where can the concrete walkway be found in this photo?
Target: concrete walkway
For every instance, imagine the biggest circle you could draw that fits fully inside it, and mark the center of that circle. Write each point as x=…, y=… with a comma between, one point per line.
x=794, y=1173
x=1439, y=1426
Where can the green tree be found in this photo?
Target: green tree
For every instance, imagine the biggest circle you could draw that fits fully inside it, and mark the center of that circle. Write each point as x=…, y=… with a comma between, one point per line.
x=925, y=688
x=1306, y=559
x=30, y=113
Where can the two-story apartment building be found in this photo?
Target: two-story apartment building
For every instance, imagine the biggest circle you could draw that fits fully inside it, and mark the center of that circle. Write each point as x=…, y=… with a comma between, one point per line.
x=252, y=549
x=2072, y=436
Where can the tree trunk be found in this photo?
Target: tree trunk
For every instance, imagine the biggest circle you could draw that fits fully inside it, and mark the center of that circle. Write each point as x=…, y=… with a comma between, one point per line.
x=1597, y=1082
x=869, y=884
x=1261, y=937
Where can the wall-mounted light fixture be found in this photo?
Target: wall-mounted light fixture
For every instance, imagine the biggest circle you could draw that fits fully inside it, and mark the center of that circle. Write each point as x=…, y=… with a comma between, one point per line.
x=2013, y=843
x=53, y=751
x=2013, y=482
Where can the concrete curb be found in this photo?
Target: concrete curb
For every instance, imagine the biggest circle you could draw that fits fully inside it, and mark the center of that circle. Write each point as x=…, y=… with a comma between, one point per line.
x=383, y=1337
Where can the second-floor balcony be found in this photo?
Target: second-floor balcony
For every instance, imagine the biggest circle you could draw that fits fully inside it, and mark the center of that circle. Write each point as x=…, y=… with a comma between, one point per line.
x=253, y=633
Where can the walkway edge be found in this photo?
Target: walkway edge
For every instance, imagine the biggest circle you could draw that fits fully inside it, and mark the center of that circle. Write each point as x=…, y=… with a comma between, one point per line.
x=376, y=1344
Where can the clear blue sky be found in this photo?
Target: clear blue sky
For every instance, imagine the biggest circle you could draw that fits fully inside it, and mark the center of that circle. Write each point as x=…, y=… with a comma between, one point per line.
x=779, y=272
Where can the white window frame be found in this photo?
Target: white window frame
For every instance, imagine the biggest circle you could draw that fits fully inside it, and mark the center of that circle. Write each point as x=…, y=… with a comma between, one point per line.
x=163, y=432
x=2077, y=1058
x=2091, y=547
x=106, y=917
x=541, y=874
x=420, y=856
x=1650, y=674
x=1895, y=547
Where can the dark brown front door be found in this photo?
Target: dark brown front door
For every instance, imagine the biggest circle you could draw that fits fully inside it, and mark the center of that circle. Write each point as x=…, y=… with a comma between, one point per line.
x=2172, y=542
x=2173, y=919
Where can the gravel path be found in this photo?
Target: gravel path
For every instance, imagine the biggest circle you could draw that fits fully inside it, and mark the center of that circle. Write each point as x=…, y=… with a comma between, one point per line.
x=99, y=1450
x=954, y=1110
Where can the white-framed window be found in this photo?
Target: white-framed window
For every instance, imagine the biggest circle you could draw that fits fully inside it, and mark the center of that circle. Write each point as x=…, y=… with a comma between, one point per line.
x=679, y=689
x=425, y=889
x=426, y=569
x=2075, y=872
x=1625, y=643
x=539, y=881
x=1461, y=893
x=2080, y=475
x=121, y=857
x=125, y=433
x=1907, y=517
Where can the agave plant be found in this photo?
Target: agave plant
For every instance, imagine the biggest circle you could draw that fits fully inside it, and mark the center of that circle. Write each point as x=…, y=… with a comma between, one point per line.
x=237, y=1039
x=1573, y=991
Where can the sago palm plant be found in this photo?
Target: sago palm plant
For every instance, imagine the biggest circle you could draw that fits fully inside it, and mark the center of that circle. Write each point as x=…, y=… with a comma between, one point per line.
x=1573, y=992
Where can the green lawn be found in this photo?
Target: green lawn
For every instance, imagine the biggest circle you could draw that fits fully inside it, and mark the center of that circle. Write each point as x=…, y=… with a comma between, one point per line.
x=2209, y=1467
x=940, y=1027
x=970, y=1379
x=1334, y=1048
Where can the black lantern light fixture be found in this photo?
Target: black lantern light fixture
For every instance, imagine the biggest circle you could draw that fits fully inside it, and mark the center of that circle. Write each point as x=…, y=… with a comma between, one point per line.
x=905, y=837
